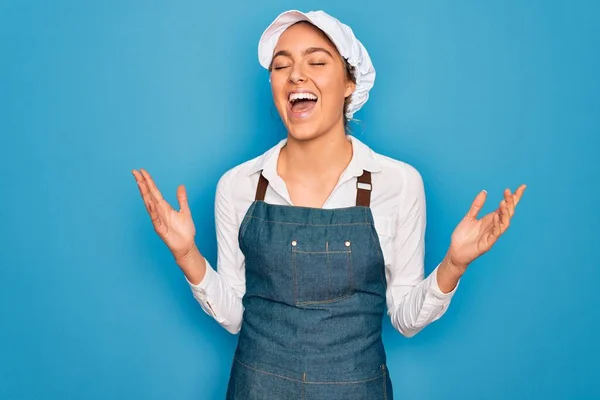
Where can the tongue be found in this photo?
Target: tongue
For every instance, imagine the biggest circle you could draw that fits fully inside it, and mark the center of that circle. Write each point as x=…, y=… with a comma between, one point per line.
x=303, y=105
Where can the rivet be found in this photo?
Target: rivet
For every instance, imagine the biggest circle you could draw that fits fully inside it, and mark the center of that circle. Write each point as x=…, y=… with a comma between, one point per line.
x=347, y=243
x=294, y=243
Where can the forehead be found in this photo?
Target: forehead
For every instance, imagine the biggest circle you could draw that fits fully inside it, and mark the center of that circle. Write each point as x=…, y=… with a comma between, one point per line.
x=303, y=35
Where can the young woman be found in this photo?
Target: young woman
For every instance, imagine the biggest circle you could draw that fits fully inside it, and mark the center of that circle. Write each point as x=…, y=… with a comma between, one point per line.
x=317, y=236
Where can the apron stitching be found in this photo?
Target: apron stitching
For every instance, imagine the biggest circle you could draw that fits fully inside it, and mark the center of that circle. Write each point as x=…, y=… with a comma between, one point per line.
x=299, y=303
x=303, y=384
x=350, y=269
x=377, y=244
x=344, y=382
x=267, y=373
x=384, y=382
x=306, y=224
x=294, y=277
x=247, y=219
x=326, y=252
x=328, y=269
x=322, y=252
x=304, y=377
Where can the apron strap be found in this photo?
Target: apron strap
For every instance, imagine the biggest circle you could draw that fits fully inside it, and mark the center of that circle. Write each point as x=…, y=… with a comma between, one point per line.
x=363, y=189
x=261, y=188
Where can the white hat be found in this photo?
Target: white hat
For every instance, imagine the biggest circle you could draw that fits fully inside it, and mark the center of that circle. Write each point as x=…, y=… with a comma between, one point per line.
x=342, y=37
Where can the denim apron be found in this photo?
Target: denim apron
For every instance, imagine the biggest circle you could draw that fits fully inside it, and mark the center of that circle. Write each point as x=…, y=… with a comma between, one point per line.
x=314, y=303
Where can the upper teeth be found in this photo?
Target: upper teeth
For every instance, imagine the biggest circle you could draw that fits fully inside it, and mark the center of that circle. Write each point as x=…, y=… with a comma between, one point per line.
x=302, y=96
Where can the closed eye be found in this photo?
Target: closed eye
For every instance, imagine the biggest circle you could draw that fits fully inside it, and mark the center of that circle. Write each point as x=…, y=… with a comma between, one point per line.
x=317, y=63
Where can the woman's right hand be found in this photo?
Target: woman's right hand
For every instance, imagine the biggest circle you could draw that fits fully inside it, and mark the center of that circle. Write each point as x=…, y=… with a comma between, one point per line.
x=175, y=228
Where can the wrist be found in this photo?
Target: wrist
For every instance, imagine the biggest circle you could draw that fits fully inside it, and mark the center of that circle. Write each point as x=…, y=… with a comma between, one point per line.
x=453, y=268
x=448, y=275
x=182, y=256
x=192, y=264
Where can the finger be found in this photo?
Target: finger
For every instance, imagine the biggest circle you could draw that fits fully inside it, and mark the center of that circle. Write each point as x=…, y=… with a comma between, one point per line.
x=143, y=188
x=182, y=199
x=136, y=174
x=497, y=229
x=152, y=210
x=519, y=193
x=504, y=217
x=477, y=204
x=510, y=202
x=149, y=201
x=151, y=185
x=491, y=234
x=157, y=221
x=139, y=179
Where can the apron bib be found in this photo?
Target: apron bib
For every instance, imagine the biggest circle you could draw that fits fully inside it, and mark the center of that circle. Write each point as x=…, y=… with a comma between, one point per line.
x=314, y=303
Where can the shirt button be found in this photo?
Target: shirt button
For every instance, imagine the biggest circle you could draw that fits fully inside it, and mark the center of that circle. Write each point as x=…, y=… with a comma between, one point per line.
x=294, y=243
x=347, y=243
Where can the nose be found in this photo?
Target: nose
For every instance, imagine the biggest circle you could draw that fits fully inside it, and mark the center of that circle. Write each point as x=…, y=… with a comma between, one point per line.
x=296, y=74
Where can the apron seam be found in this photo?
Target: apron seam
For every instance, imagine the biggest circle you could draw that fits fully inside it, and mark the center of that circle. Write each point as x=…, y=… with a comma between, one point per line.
x=307, y=382
x=307, y=224
x=384, y=382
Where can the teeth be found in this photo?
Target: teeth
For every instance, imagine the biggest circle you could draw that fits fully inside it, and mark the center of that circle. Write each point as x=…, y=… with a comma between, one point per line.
x=302, y=96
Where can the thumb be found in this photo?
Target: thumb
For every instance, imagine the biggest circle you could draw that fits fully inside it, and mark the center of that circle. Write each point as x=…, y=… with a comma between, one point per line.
x=477, y=205
x=182, y=199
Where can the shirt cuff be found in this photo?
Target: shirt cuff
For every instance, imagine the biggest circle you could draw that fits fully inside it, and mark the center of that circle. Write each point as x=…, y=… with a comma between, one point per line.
x=209, y=279
x=435, y=290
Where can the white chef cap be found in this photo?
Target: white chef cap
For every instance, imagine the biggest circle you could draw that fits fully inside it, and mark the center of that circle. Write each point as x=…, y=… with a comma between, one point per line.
x=342, y=37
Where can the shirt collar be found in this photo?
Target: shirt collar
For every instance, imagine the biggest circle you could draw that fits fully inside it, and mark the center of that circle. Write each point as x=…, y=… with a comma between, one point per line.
x=363, y=158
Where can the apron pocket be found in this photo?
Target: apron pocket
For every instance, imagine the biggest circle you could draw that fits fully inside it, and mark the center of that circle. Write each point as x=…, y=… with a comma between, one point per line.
x=322, y=274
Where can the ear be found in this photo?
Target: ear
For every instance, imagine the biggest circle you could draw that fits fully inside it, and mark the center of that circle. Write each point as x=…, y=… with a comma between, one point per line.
x=350, y=88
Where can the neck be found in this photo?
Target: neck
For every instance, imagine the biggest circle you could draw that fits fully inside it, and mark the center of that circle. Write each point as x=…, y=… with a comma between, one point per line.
x=326, y=154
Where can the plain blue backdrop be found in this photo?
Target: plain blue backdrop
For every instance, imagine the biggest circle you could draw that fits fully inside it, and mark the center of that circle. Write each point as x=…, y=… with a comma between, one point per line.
x=476, y=95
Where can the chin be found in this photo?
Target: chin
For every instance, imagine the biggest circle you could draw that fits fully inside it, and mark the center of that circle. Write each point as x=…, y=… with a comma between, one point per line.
x=307, y=129
x=303, y=132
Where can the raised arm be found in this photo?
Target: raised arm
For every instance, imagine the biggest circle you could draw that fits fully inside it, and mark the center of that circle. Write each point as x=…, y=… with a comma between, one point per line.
x=219, y=294
x=413, y=302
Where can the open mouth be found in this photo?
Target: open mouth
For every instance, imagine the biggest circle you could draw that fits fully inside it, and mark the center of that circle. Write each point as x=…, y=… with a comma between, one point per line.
x=301, y=102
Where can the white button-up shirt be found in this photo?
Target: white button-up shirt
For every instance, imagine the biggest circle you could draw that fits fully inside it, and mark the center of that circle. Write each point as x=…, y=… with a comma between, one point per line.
x=398, y=207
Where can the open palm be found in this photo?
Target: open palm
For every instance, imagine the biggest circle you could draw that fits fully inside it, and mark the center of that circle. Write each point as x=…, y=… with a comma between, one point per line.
x=175, y=228
x=474, y=237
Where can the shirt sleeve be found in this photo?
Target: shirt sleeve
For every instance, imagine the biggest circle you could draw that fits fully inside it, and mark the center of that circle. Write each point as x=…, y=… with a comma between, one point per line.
x=413, y=301
x=220, y=292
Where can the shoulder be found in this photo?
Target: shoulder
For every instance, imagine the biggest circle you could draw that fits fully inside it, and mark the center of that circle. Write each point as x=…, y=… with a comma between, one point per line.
x=399, y=176
x=390, y=171
x=239, y=182
x=399, y=168
x=237, y=185
x=400, y=189
x=398, y=192
x=237, y=173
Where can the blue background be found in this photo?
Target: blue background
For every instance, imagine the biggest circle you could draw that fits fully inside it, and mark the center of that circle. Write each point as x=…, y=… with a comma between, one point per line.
x=476, y=95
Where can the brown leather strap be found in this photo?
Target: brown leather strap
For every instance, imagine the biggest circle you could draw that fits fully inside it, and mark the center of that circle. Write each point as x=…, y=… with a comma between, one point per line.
x=261, y=188
x=363, y=189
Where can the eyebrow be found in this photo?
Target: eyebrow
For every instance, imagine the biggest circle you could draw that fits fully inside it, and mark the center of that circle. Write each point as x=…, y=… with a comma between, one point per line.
x=310, y=50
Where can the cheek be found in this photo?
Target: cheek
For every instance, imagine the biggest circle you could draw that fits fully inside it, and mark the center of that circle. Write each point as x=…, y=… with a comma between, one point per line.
x=332, y=90
x=277, y=89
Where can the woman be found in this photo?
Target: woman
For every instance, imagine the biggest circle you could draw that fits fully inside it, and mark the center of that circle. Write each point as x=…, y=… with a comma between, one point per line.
x=319, y=234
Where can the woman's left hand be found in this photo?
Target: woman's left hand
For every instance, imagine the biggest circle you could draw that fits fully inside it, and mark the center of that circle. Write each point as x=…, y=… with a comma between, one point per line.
x=474, y=237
